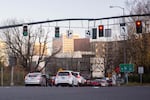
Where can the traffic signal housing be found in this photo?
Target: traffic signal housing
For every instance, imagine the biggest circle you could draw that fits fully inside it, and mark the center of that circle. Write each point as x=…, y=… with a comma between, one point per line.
x=101, y=30
x=94, y=33
x=56, y=32
x=25, y=30
x=138, y=26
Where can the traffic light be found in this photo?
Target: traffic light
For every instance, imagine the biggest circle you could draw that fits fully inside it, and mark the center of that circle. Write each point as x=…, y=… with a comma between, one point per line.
x=101, y=30
x=138, y=26
x=56, y=32
x=94, y=33
x=25, y=30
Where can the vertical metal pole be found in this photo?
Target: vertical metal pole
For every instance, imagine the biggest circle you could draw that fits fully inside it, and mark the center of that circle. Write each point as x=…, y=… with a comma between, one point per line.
x=78, y=69
x=12, y=76
x=124, y=47
x=124, y=44
x=2, y=76
x=124, y=52
x=141, y=78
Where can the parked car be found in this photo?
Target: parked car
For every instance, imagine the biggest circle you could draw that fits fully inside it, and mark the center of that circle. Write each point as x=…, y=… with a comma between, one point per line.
x=81, y=79
x=95, y=82
x=109, y=81
x=66, y=77
x=104, y=82
x=35, y=78
x=52, y=80
x=88, y=82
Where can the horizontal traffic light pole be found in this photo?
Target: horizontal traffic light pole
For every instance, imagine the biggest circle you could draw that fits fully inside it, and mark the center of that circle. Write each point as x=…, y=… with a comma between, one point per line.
x=71, y=19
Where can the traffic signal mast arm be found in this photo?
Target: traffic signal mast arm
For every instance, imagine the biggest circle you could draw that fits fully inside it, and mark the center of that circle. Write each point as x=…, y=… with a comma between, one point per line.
x=71, y=19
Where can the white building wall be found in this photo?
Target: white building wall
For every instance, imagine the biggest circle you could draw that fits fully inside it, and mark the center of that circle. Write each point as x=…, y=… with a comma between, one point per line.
x=97, y=67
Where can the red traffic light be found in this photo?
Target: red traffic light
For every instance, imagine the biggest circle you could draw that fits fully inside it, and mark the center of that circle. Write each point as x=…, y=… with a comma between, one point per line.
x=138, y=26
x=101, y=30
x=138, y=23
x=101, y=27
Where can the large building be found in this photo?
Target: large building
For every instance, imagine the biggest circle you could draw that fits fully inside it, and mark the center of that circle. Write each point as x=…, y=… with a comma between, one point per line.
x=111, y=51
x=82, y=44
x=40, y=49
x=3, y=53
x=64, y=44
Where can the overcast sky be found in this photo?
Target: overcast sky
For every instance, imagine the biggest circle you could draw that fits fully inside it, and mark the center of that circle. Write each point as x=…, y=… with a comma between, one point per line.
x=41, y=10
x=38, y=10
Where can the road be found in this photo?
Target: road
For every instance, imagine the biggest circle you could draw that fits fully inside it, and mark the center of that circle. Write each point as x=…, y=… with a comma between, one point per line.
x=75, y=93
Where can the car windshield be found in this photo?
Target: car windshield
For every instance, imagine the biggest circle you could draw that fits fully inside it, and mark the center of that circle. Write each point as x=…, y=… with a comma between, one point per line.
x=75, y=74
x=63, y=73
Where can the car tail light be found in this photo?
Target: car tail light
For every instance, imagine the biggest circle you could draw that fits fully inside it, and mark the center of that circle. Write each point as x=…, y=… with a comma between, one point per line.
x=69, y=75
x=78, y=76
x=39, y=78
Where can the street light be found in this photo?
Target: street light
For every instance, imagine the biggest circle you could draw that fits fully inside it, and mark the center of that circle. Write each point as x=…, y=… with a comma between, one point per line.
x=124, y=47
x=124, y=34
x=118, y=7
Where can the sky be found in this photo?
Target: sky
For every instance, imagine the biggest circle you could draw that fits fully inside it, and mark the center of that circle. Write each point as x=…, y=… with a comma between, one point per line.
x=39, y=10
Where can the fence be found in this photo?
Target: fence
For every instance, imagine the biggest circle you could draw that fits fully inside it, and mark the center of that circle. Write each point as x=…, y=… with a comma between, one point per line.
x=18, y=76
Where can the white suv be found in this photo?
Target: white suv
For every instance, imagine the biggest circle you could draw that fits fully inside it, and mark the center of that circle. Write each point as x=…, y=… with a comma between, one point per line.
x=35, y=78
x=66, y=77
x=80, y=79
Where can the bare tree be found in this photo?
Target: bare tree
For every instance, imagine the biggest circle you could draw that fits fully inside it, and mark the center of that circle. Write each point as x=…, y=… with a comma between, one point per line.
x=138, y=44
x=24, y=47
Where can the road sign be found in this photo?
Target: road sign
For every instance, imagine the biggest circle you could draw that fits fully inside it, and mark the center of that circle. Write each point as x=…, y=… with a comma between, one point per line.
x=123, y=29
x=126, y=67
x=140, y=70
x=87, y=33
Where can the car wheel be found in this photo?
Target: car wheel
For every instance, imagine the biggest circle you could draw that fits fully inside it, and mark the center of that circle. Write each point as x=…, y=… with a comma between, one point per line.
x=77, y=85
x=56, y=85
x=26, y=85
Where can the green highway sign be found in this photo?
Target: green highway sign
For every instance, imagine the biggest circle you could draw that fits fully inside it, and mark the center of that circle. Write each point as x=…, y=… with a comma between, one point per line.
x=126, y=67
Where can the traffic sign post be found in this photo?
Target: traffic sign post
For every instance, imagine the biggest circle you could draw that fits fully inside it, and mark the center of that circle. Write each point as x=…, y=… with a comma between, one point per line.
x=141, y=71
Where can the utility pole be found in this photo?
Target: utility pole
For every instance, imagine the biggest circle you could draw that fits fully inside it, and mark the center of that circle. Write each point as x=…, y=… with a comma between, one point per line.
x=12, y=76
x=2, y=75
x=124, y=40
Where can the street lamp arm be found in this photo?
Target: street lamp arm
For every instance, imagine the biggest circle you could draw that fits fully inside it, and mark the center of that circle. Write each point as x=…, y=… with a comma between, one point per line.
x=118, y=7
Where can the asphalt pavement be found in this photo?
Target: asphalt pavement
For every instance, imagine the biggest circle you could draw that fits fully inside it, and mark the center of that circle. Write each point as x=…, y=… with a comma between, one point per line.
x=75, y=93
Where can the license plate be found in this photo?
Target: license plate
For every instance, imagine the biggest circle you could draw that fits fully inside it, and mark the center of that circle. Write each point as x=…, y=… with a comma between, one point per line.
x=63, y=77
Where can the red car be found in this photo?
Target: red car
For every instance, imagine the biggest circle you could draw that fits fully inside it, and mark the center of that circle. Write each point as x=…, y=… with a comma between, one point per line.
x=95, y=82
